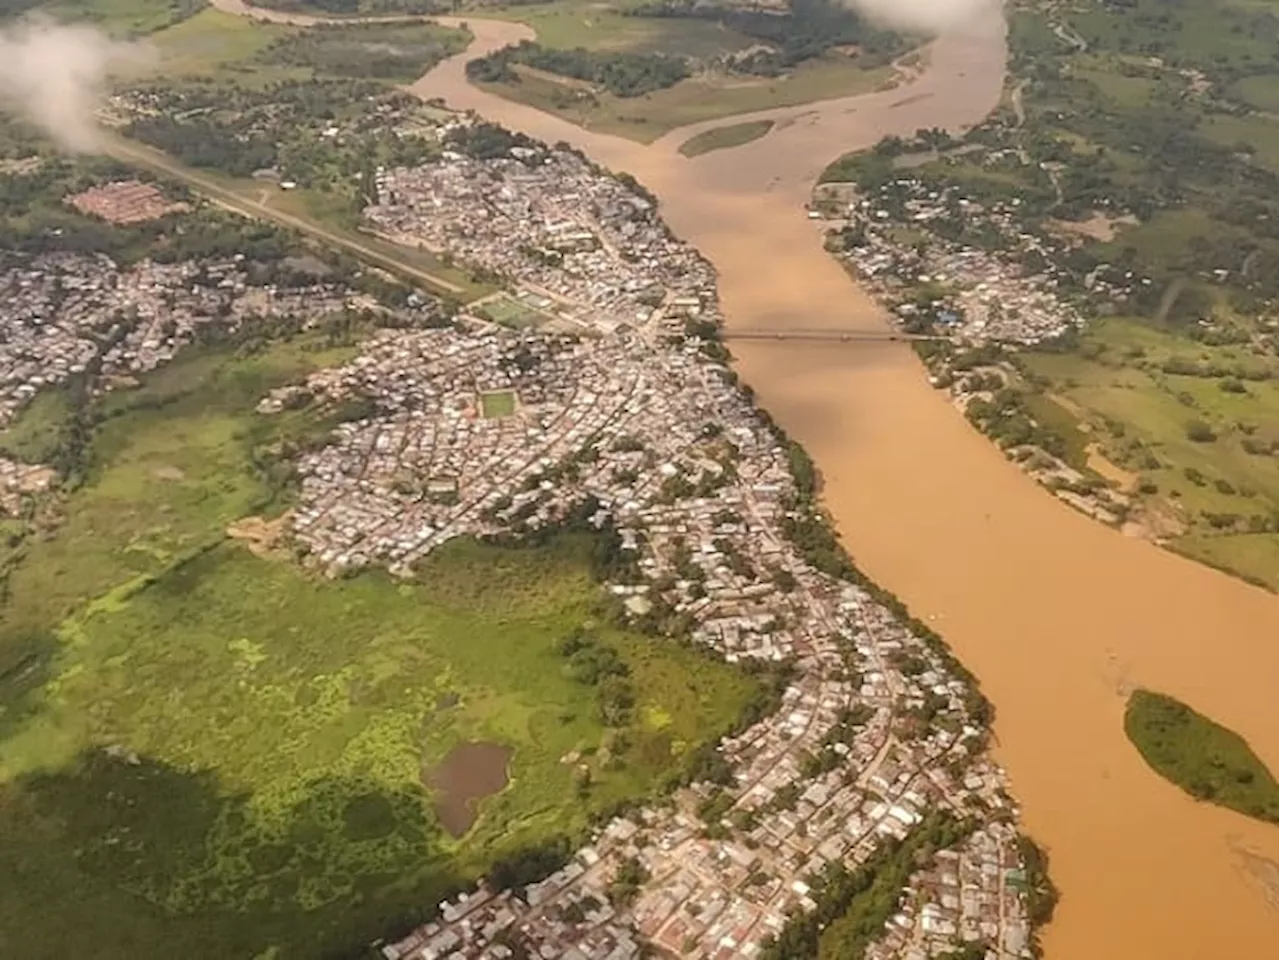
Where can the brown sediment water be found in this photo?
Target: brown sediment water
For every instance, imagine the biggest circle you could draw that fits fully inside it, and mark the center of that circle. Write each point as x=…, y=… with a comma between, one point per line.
x=468, y=773
x=1057, y=615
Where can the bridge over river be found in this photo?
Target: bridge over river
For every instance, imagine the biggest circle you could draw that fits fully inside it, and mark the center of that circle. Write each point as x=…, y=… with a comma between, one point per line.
x=828, y=334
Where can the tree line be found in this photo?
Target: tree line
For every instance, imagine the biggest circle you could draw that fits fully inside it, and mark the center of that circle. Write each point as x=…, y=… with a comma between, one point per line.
x=621, y=74
x=809, y=29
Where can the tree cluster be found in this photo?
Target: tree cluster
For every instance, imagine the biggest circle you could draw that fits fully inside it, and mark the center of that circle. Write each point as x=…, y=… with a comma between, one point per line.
x=621, y=74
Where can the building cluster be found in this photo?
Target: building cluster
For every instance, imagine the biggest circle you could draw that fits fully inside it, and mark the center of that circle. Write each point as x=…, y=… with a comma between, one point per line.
x=483, y=431
x=19, y=481
x=962, y=894
x=63, y=313
x=551, y=222
x=874, y=730
x=125, y=201
x=979, y=293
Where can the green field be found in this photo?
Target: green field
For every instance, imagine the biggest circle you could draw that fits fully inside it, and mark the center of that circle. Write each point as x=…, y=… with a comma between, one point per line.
x=510, y=312
x=1206, y=760
x=1219, y=495
x=723, y=138
x=566, y=24
x=498, y=403
x=121, y=18
x=208, y=751
x=217, y=45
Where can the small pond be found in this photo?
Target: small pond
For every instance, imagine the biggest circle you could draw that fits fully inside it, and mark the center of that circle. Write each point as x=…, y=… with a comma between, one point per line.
x=468, y=773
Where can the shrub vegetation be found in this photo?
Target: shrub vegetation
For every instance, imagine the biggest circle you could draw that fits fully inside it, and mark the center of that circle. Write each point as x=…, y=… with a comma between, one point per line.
x=1205, y=759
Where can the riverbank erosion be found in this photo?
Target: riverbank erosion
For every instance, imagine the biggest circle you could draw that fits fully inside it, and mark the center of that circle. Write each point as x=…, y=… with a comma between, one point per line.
x=1057, y=615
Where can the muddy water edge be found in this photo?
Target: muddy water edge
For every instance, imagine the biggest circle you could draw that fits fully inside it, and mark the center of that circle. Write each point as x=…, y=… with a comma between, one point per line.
x=469, y=772
x=1058, y=616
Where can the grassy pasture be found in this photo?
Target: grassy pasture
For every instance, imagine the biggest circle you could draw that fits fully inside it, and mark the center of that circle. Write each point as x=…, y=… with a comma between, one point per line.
x=569, y=24
x=1117, y=385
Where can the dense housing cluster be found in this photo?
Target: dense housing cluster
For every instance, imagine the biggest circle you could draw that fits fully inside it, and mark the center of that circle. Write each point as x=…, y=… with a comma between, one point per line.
x=484, y=431
x=64, y=313
x=547, y=220
x=632, y=425
x=896, y=239
x=662, y=449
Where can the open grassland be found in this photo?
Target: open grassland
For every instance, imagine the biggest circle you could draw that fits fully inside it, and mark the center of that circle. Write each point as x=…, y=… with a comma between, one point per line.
x=1218, y=490
x=206, y=750
x=1206, y=760
x=706, y=96
x=568, y=24
x=721, y=138
x=215, y=45
x=1258, y=91
x=121, y=18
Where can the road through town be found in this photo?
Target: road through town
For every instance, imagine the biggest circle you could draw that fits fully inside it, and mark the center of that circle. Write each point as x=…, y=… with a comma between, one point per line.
x=1057, y=615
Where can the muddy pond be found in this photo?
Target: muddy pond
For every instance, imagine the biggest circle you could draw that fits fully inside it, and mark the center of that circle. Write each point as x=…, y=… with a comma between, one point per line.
x=468, y=773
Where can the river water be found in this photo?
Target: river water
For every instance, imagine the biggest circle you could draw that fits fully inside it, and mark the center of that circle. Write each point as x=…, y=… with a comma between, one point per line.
x=1057, y=615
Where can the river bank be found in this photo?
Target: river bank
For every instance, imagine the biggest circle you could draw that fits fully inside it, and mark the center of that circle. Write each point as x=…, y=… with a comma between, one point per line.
x=1057, y=616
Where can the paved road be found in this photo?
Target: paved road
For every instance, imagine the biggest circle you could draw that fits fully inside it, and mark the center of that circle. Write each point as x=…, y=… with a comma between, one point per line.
x=137, y=155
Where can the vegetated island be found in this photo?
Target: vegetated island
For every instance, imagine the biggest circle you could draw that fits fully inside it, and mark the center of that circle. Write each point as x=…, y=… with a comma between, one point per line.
x=1204, y=758
x=722, y=138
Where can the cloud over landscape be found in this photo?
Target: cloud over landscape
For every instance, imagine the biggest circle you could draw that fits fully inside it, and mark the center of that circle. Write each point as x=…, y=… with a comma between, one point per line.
x=925, y=16
x=54, y=74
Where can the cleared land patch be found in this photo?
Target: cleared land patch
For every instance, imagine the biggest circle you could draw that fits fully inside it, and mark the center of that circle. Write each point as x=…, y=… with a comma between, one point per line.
x=1205, y=759
x=722, y=138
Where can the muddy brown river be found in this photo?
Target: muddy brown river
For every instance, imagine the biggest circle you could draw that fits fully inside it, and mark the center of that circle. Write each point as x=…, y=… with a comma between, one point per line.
x=1057, y=615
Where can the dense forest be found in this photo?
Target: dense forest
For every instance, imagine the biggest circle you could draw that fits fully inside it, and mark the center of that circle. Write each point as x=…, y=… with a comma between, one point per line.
x=810, y=29
x=622, y=74
x=397, y=52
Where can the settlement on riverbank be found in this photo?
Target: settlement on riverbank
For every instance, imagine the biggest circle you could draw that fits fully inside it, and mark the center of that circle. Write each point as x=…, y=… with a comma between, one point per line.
x=1058, y=616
